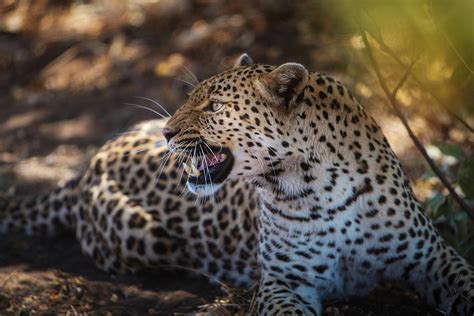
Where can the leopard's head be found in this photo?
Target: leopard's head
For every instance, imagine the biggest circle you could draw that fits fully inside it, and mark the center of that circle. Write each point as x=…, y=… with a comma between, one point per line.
x=237, y=123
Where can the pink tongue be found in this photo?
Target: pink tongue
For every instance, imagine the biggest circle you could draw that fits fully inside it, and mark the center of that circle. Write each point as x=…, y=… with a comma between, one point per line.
x=210, y=160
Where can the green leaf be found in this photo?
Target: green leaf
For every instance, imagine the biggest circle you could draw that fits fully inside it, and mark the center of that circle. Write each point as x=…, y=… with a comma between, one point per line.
x=460, y=216
x=452, y=150
x=466, y=178
x=428, y=175
x=434, y=205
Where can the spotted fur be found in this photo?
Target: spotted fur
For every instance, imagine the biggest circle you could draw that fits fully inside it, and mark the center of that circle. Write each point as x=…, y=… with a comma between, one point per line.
x=336, y=212
x=130, y=210
x=316, y=206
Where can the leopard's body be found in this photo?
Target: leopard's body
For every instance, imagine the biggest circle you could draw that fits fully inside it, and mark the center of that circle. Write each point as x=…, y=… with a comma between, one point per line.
x=130, y=210
x=329, y=212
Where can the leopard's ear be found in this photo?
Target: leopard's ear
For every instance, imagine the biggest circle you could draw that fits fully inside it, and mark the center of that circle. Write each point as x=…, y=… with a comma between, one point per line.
x=243, y=60
x=283, y=85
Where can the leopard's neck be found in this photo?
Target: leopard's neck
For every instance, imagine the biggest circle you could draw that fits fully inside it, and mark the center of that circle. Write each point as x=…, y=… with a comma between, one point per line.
x=305, y=195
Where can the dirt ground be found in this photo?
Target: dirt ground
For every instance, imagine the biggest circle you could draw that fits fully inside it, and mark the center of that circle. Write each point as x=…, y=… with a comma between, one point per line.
x=66, y=74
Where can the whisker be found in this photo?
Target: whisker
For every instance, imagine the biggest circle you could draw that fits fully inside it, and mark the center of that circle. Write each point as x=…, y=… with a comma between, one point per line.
x=204, y=162
x=214, y=143
x=156, y=103
x=184, y=191
x=183, y=150
x=194, y=154
x=187, y=129
x=163, y=167
x=273, y=168
x=133, y=132
x=185, y=81
x=182, y=157
x=128, y=133
x=190, y=73
x=180, y=179
x=164, y=160
x=210, y=179
x=211, y=151
x=136, y=152
x=146, y=108
x=193, y=159
x=261, y=163
x=137, y=131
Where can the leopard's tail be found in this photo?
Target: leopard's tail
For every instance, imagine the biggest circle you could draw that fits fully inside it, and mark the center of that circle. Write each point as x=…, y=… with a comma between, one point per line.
x=48, y=214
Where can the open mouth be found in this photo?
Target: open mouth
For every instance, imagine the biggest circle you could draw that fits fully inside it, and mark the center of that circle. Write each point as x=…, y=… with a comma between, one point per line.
x=210, y=168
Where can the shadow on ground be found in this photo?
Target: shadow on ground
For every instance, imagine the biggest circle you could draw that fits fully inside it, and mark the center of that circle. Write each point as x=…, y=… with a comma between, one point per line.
x=50, y=276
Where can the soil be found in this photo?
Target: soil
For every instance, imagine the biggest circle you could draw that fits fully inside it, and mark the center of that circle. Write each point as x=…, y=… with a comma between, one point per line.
x=40, y=276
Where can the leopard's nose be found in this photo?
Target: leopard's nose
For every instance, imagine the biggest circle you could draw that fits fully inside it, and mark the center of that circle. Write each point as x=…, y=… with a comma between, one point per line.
x=168, y=133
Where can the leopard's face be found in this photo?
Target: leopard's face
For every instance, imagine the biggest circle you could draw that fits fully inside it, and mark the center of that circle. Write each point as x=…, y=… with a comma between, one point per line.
x=231, y=124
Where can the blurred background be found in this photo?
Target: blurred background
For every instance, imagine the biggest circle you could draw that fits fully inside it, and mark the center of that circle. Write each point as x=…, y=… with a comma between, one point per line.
x=68, y=68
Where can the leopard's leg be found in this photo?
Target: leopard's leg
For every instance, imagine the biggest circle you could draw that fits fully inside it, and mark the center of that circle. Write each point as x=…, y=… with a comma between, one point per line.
x=446, y=281
x=274, y=297
x=438, y=274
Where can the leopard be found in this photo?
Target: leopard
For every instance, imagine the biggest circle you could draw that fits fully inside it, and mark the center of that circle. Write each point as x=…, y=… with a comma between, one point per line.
x=267, y=174
x=130, y=212
x=336, y=213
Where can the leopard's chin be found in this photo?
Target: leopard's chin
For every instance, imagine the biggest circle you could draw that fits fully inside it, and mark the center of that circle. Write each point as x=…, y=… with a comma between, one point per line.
x=203, y=189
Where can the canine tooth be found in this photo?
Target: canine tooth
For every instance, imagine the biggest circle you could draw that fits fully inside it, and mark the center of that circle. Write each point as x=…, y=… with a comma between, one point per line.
x=196, y=171
x=223, y=157
x=187, y=168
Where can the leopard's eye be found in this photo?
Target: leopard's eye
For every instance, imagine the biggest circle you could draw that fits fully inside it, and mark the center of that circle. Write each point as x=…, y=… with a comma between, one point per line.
x=215, y=106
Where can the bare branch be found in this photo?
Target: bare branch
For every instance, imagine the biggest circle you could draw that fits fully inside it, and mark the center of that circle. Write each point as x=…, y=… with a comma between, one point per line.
x=419, y=146
x=385, y=48
x=404, y=78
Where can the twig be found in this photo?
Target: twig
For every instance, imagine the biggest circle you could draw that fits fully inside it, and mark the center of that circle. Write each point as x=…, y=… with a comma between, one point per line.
x=63, y=58
x=73, y=310
x=253, y=301
x=226, y=287
x=9, y=277
x=385, y=48
x=394, y=103
x=404, y=78
x=453, y=47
